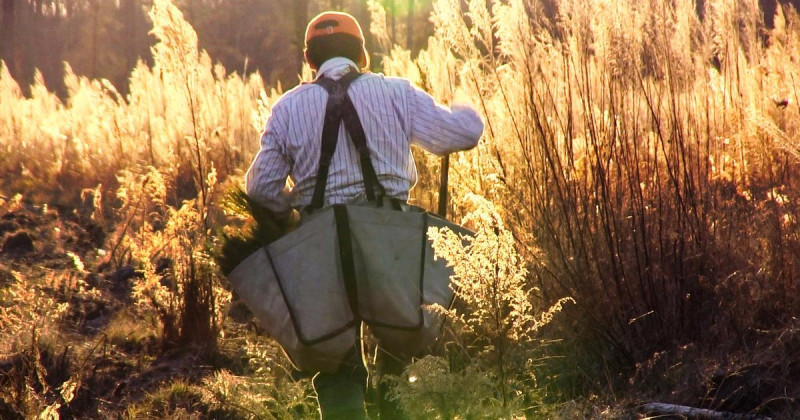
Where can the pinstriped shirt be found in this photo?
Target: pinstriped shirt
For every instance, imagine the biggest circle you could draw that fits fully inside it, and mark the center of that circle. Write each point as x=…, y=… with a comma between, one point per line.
x=394, y=114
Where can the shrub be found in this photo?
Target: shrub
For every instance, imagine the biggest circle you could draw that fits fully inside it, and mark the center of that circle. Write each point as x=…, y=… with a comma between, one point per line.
x=640, y=157
x=487, y=372
x=180, y=280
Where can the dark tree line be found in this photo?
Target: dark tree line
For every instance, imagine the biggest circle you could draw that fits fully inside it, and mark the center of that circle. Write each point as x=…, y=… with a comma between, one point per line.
x=105, y=38
x=97, y=37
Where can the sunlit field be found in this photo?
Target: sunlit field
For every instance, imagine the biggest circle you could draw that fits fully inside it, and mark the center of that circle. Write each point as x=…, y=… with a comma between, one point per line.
x=636, y=197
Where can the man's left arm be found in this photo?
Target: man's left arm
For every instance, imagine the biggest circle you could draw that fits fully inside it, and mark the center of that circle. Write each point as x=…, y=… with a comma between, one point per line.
x=439, y=129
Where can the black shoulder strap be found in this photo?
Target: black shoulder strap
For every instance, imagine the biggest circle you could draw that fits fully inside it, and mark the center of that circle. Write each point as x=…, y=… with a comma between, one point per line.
x=353, y=125
x=339, y=108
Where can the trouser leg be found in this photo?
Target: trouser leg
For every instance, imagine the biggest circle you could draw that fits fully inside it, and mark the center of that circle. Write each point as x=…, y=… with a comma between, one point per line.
x=341, y=394
x=388, y=364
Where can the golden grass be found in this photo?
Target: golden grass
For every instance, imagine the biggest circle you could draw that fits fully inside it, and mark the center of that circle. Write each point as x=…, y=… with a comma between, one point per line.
x=644, y=162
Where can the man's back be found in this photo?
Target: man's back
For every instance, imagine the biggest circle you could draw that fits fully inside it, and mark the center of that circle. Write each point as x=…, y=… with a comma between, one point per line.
x=394, y=115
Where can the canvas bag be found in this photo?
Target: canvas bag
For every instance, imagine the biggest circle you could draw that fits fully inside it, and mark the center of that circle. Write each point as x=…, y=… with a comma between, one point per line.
x=345, y=264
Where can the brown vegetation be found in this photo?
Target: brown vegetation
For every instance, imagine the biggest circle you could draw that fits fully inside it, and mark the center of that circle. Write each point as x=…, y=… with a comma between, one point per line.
x=643, y=160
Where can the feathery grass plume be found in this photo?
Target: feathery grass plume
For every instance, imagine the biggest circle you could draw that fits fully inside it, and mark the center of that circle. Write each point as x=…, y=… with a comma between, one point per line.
x=183, y=112
x=643, y=159
x=377, y=25
x=449, y=25
x=177, y=53
x=630, y=148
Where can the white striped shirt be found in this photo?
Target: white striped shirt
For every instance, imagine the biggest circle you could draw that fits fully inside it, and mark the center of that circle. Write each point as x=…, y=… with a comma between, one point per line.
x=394, y=114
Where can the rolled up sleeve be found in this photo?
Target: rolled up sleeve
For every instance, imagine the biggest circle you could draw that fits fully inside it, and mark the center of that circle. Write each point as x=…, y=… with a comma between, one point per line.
x=440, y=130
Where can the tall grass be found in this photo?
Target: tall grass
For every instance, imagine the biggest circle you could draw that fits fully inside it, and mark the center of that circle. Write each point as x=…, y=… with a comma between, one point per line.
x=183, y=114
x=644, y=160
x=155, y=154
x=646, y=152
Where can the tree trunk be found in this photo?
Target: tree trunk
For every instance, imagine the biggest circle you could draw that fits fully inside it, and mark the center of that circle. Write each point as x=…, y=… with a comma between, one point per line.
x=95, y=23
x=392, y=10
x=364, y=19
x=190, y=12
x=128, y=15
x=300, y=22
x=7, y=34
x=410, y=24
x=682, y=411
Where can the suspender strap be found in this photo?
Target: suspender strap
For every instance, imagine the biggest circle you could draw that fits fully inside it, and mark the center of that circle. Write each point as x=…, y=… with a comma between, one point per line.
x=337, y=91
x=340, y=108
x=353, y=125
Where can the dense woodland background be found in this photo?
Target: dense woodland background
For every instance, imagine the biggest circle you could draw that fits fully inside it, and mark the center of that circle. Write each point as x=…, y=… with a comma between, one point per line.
x=105, y=38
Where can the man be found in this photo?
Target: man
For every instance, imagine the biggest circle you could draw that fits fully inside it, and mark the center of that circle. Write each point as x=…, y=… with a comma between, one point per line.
x=394, y=115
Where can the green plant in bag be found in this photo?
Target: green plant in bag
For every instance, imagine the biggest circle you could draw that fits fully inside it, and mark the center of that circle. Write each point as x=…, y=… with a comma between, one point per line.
x=260, y=227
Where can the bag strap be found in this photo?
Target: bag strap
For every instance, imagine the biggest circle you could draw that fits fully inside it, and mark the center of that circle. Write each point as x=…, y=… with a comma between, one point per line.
x=340, y=108
x=353, y=125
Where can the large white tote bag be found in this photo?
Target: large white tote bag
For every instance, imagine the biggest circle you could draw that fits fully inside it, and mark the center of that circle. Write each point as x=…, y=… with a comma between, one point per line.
x=312, y=288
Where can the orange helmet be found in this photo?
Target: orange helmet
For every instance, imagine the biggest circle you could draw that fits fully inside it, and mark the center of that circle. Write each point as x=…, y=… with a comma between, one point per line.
x=331, y=23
